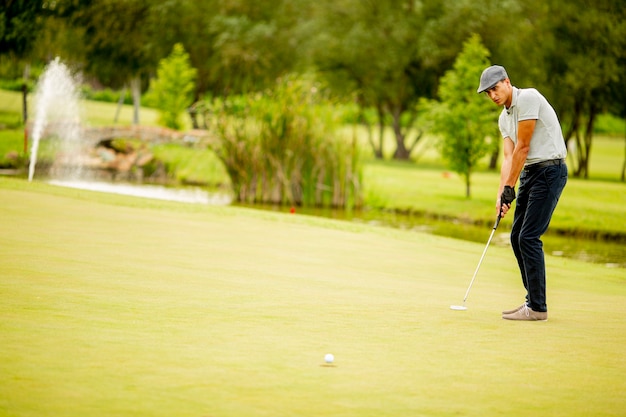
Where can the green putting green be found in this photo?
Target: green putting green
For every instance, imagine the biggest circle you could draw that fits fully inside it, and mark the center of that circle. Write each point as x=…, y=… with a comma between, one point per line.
x=121, y=306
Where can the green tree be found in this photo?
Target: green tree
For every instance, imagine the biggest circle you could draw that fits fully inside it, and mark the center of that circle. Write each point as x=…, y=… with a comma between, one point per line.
x=372, y=50
x=590, y=50
x=575, y=53
x=236, y=47
x=187, y=22
x=119, y=37
x=174, y=86
x=20, y=23
x=466, y=121
x=448, y=24
x=390, y=54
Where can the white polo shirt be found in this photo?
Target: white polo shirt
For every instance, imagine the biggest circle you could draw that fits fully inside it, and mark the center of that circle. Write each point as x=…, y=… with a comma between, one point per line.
x=547, y=141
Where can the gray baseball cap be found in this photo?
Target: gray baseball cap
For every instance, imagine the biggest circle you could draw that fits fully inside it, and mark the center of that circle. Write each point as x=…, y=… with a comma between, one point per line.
x=490, y=77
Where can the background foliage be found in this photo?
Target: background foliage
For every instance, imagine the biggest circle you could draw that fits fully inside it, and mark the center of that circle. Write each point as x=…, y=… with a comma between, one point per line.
x=464, y=118
x=278, y=148
x=383, y=57
x=173, y=87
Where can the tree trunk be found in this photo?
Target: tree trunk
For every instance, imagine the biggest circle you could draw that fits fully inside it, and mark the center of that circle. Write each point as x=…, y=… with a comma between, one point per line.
x=584, y=144
x=580, y=159
x=193, y=115
x=468, y=173
x=135, y=86
x=381, y=131
x=573, y=131
x=493, y=161
x=401, y=152
x=623, y=178
x=25, y=105
x=378, y=152
x=120, y=102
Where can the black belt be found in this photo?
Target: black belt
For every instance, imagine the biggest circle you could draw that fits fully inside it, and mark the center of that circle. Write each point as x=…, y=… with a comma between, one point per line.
x=544, y=164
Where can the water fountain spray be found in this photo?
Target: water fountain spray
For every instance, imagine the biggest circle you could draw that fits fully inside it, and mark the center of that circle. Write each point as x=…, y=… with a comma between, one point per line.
x=57, y=112
x=58, y=115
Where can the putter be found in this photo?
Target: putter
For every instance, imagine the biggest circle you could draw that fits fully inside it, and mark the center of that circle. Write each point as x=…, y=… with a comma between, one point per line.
x=462, y=307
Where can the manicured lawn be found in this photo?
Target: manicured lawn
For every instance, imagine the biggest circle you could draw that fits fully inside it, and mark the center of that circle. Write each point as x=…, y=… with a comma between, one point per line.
x=586, y=206
x=113, y=305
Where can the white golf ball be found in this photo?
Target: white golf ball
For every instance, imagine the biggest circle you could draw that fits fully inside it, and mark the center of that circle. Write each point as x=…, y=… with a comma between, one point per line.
x=329, y=358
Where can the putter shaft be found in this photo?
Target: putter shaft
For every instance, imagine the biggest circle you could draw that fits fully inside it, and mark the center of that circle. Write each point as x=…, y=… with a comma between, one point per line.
x=493, y=231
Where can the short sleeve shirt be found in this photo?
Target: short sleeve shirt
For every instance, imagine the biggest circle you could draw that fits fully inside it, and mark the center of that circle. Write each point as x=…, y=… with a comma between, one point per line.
x=547, y=141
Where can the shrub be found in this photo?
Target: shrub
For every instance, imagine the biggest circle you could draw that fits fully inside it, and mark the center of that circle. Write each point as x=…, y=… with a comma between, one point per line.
x=16, y=84
x=106, y=95
x=11, y=145
x=10, y=120
x=279, y=147
x=174, y=86
x=608, y=124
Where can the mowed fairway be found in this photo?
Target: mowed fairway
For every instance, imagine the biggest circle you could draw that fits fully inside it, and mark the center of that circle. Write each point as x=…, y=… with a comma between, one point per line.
x=119, y=306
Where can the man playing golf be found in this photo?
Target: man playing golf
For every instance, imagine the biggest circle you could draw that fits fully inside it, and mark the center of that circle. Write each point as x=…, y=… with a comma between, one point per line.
x=534, y=152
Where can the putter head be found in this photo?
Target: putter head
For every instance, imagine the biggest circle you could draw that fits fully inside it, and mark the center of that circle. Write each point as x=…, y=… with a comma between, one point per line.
x=458, y=308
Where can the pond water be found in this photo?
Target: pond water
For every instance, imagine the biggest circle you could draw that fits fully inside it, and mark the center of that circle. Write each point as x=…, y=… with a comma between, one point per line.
x=186, y=195
x=611, y=254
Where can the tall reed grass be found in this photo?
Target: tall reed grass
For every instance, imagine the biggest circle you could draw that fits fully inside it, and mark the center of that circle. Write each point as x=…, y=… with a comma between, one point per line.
x=281, y=147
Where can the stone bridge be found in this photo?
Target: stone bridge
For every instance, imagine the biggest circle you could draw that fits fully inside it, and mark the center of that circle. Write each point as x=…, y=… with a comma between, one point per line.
x=92, y=136
x=149, y=134
x=94, y=153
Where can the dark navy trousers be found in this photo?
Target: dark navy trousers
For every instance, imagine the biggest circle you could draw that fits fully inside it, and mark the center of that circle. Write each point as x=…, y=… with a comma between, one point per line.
x=538, y=194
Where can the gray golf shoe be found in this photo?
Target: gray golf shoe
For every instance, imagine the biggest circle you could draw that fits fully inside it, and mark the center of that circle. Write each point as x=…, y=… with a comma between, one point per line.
x=526, y=314
x=514, y=310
